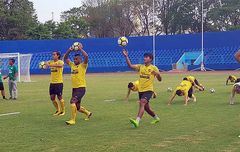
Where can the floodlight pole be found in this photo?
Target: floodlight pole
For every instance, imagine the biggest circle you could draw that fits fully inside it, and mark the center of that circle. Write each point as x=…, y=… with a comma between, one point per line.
x=202, y=63
x=154, y=37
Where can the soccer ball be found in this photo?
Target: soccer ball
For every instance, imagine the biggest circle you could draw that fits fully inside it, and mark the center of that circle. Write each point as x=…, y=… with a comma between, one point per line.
x=212, y=90
x=75, y=46
x=123, y=41
x=169, y=89
x=42, y=65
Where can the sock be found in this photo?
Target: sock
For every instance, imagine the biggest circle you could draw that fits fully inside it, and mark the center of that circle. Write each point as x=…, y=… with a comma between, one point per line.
x=138, y=119
x=56, y=105
x=156, y=117
x=83, y=110
x=62, y=105
x=74, y=112
x=14, y=94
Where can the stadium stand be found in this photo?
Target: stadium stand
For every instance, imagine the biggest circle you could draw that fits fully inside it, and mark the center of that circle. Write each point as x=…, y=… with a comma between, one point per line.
x=106, y=56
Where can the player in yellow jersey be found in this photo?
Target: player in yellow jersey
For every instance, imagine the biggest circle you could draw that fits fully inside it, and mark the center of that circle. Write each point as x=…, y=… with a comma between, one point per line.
x=235, y=90
x=56, y=82
x=78, y=74
x=147, y=73
x=133, y=87
x=185, y=89
x=195, y=82
x=232, y=79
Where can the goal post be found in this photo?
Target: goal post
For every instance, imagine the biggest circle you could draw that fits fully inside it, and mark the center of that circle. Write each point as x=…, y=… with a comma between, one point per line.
x=22, y=61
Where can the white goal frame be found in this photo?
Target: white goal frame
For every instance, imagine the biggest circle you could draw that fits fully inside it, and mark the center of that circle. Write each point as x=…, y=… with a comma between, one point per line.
x=18, y=56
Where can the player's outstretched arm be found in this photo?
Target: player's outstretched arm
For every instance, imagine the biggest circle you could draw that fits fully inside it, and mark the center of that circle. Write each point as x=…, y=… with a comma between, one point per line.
x=66, y=56
x=197, y=86
x=172, y=97
x=84, y=53
x=237, y=56
x=130, y=65
x=227, y=81
x=128, y=94
x=232, y=95
x=157, y=75
x=5, y=77
x=185, y=100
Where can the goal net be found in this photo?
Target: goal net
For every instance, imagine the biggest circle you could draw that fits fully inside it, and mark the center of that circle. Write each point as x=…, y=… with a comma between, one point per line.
x=22, y=61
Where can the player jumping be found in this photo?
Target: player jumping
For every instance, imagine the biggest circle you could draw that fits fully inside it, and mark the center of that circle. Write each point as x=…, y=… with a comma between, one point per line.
x=147, y=73
x=56, y=82
x=133, y=87
x=78, y=74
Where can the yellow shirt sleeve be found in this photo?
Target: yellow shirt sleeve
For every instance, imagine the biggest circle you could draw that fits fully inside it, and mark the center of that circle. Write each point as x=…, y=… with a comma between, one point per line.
x=71, y=64
x=60, y=62
x=155, y=68
x=138, y=67
x=84, y=65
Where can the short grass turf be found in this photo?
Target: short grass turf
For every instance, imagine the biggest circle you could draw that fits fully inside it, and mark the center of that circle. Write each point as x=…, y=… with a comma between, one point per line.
x=210, y=125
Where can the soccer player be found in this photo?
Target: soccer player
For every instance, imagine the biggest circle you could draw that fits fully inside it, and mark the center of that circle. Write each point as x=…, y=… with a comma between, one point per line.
x=195, y=82
x=2, y=87
x=56, y=82
x=133, y=87
x=147, y=73
x=185, y=89
x=78, y=74
x=231, y=78
x=235, y=90
x=12, y=79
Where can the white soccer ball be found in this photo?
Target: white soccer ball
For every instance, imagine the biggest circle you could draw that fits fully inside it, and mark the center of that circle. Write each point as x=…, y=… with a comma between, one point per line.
x=169, y=89
x=75, y=46
x=42, y=65
x=212, y=90
x=123, y=41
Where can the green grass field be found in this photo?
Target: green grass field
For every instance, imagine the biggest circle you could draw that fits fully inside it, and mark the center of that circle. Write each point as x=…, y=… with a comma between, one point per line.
x=206, y=126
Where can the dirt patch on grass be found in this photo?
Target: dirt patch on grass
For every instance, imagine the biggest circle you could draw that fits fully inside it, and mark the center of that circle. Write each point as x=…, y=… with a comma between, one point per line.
x=164, y=144
x=234, y=147
x=191, y=139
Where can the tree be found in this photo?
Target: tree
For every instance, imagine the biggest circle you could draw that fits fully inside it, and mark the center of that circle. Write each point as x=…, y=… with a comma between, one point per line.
x=42, y=31
x=16, y=16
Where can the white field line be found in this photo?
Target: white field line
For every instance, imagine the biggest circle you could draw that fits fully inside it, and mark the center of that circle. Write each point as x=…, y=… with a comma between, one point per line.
x=7, y=114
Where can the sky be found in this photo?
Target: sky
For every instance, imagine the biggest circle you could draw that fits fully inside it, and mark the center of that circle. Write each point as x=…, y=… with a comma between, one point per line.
x=44, y=8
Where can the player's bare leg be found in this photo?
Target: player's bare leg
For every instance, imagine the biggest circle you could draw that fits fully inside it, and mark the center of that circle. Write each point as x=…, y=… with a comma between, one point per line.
x=149, y=110
x=3, y=94
x=141, y=110
x=154, y=95
x=151, y=113
x=194, y=98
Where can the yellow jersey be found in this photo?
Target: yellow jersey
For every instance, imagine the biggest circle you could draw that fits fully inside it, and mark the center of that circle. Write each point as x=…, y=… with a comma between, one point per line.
x=232, y=78
x=191, y=78
x=56, y=73
x=136, y=86
x=184, y=86
x=146, y=77
x=78, y=74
